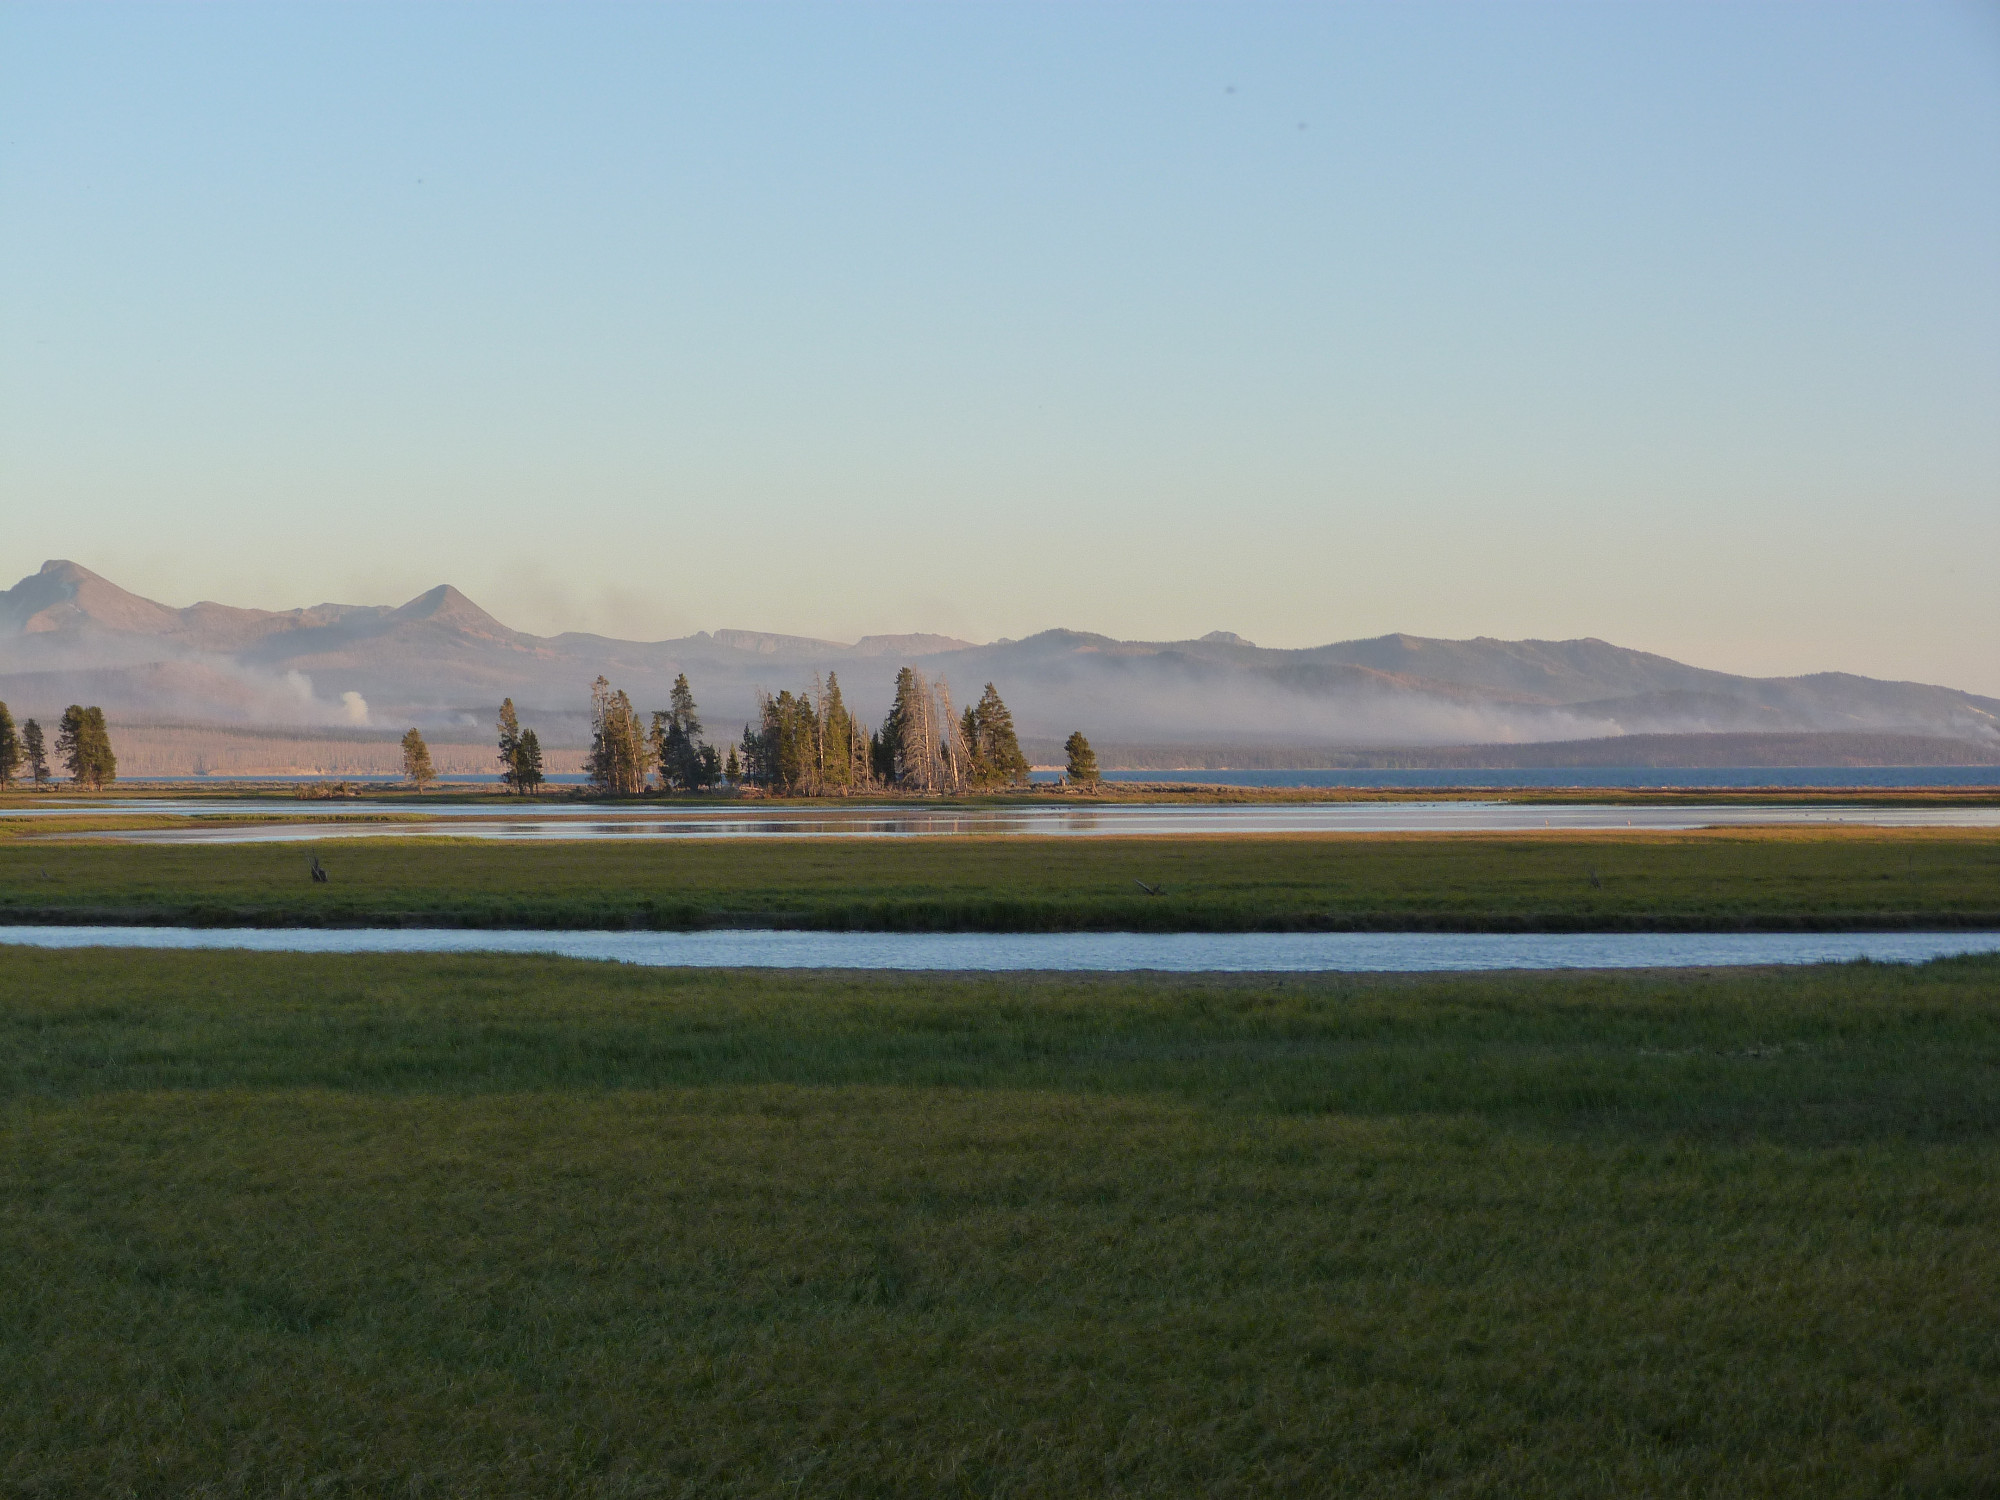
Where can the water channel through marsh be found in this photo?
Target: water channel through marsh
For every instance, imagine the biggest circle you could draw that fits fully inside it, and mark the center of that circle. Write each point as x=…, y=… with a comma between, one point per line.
x=250, y=821
x=1095, y=952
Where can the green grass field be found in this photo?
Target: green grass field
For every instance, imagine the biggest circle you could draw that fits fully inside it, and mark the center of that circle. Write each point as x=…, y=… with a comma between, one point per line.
x=286, y=1225
x=1767, y=878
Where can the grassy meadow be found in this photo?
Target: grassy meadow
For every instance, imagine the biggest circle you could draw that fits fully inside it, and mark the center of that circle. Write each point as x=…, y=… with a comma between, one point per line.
x=479, y=1226
x=1818, y=877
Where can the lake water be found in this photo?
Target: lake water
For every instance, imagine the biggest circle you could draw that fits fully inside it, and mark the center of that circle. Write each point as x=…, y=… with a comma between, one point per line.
x=1471, y=778
x=1528, y=778
x=287, y=822
x=1092, y=952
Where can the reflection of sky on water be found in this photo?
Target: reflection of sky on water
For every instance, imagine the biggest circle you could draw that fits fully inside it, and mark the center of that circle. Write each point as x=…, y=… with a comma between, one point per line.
x=1687, y=778
x=394, y=820
x=1752, y=778
x=1186, y=952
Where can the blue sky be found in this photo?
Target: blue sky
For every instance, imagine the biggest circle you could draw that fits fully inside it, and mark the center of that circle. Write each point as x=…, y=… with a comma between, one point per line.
x=1676, y=325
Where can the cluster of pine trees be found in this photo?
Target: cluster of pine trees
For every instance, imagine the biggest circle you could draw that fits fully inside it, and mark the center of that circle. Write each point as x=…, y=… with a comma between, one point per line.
x=805, y=744
x=624, y=754
x=83, y=745
x=808, y=744
x=520, y=753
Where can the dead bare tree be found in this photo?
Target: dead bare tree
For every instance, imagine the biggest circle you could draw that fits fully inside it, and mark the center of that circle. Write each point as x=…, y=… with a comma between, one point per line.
x=952, y=747
x=928, y=772
x=819, y=736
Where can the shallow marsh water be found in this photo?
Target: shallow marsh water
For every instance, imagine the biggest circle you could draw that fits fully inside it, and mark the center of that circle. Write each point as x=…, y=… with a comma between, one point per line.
x=1247, y=952
x=319, y=820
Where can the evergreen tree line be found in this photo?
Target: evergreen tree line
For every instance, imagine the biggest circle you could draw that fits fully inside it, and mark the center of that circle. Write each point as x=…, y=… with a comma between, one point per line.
x=624, y=753
x=803, y=744
x=806, y=743
x=809, y=744
x=83, y=745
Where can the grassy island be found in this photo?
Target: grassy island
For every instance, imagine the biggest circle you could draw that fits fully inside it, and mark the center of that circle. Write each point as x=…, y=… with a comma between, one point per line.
x=1734, y=879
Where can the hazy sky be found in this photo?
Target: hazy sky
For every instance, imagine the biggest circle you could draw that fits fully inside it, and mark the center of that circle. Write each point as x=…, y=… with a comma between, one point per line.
x=1676, y=325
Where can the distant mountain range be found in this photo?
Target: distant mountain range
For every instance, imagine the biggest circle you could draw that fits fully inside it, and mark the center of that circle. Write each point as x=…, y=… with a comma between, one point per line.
x=67, y=635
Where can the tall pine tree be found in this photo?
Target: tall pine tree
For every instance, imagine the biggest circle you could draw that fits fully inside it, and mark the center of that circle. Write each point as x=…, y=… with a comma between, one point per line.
x=913, y=736
x=103, y=764
x=685, y=762
x=510, y=746
x=837, y=731
x=528, y=763
x=995, y=748
x=1082, y=759
x=10, y=748
x=69, y=743
x=888, y=752
x=38, y=755
x=417, y=760
x=84, y=747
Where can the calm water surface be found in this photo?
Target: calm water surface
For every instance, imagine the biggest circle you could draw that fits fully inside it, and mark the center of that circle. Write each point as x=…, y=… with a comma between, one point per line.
x=736, y=820
x=1593, y=777
x=1524, y=777
x=1271, y=952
